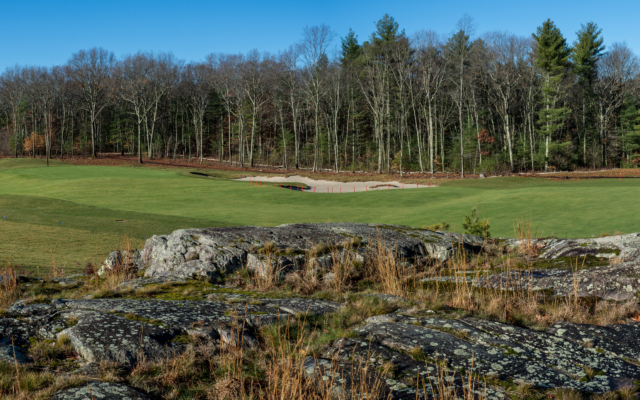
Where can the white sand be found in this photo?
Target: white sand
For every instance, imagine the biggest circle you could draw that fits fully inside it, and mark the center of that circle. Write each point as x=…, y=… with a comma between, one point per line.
x=322, y=186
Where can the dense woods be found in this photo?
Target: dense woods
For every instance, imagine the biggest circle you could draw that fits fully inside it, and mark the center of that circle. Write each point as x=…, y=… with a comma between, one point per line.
x=466, y=103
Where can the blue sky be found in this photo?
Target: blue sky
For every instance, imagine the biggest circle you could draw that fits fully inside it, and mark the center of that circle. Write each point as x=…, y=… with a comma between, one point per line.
x=48, y=32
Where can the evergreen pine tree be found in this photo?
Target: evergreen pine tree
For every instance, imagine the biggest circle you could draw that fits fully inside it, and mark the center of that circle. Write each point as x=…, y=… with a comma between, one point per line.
x=630, y=124
x=585, y=54
x=386, y=30
x=552, y=61
x=350, y=48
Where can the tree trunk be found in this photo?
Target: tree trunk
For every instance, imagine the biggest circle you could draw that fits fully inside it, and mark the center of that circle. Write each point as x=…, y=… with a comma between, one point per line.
x=139, y=142
x=253, y=132
x=460, y=120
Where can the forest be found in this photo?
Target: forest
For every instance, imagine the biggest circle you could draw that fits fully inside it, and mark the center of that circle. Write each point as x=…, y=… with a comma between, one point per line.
x=464, y=103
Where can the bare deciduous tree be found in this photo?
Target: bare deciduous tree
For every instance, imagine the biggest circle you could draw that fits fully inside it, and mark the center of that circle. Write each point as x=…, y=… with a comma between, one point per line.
x=92, y=70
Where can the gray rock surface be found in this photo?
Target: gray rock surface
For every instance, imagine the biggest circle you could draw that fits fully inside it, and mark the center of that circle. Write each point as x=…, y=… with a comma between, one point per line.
x=620, y=340
x=541, y=359
x=210, y=252
x=105, y=336
x=70, y=280
x=11, y=353
x=618, y=281
x=346, y=380
x=127, y=331
x=100, y=391
x=396, y=348
x=403, y=368
x=22, y=307
x=158, y=280
x=181, y=313
x=17, y=330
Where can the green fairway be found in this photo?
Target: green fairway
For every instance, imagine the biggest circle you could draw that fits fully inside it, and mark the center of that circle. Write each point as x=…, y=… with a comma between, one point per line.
x=80, y=213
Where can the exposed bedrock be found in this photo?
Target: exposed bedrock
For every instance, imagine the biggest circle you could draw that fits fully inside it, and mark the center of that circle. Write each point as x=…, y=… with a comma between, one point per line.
x=605, y=267
x=210, y=252
x=100, y=390
x=400, y=347
x=557, y=358
x=407, y=352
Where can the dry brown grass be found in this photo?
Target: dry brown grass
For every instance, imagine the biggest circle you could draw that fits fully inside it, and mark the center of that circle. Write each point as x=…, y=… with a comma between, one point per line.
x=45, y=352
x=439, y=384
x=20, y=383
x=119, y=273
x=342, y=269
x=9, y=288
x=529, y=244
x=55, y=271
x=616, y=260
x=389, y=269
x=284, y=353
x=519, y=305
x=304, y=282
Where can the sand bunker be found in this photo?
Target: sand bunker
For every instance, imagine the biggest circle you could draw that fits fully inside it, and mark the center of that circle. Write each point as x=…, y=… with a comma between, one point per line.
x=322, y=186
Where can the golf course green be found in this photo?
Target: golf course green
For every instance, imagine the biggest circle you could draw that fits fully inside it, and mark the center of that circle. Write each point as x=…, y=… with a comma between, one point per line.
x=78, y=214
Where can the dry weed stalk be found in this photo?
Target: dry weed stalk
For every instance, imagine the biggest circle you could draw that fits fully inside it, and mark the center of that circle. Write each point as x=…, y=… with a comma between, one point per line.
x=367, y=381
x=342, y=260
x=527, y=237
x=55, y=271
x=444, y=387
x=288, y=380
x=385, y=266
x=9, y=288
x=266, y=278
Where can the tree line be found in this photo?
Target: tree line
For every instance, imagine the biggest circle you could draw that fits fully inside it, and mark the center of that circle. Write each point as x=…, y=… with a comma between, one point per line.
x=492, y=103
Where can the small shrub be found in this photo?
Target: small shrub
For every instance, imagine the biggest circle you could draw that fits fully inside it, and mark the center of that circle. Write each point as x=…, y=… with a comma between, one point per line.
x=474, y=226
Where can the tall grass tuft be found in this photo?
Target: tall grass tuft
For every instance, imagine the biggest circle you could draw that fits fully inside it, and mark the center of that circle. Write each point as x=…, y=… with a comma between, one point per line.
x=528, y=238
x=9, y=288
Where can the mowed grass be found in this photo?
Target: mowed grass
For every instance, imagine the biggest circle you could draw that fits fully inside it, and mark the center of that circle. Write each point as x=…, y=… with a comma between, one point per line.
x=72, y=211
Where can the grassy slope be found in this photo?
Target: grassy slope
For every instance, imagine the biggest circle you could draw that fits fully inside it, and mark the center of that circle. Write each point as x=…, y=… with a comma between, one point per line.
x=89, y=199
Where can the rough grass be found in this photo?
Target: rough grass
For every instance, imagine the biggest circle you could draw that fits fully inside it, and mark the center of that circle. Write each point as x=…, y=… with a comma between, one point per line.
x=88, y=200
x=273, y=370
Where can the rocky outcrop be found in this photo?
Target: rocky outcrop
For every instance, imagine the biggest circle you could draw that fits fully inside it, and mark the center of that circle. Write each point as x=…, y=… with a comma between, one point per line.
x=100, y=390
x=420, y=346
x=400, y=356
x=605, y=267
x=127, y=331
x=210, y=252
x=406, y=354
